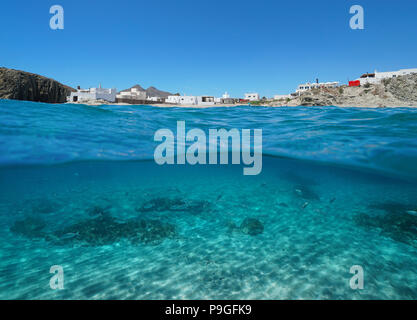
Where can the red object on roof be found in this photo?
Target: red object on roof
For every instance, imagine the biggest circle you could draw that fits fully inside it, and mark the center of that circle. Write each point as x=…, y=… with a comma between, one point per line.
x=356, y=83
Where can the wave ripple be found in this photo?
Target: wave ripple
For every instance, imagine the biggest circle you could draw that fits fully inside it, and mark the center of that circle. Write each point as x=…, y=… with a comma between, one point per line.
x=384, y=139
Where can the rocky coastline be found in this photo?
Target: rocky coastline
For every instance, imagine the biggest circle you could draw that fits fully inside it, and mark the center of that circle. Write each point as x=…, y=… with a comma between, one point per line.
x=20, y=85
x=394, y=92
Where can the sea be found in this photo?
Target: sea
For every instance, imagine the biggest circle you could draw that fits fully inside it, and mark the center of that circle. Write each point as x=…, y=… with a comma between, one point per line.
x=86, y=213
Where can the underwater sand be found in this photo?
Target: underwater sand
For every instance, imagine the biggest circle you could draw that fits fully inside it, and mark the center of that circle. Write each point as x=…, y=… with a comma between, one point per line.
x=311, y=237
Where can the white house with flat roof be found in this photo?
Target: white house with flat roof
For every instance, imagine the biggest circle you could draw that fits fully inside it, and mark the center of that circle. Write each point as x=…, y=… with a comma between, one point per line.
x=156, y=99
x=173, y=99
x=252, y=96
x=191, y=100
x=205, y=101
x=93, y=94
x=377, y=77
x=132, y=94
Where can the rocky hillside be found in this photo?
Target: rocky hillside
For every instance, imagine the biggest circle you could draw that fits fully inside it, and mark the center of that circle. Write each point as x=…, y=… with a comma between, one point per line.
x=395, y=92
x=152, y=92
x=20, y=85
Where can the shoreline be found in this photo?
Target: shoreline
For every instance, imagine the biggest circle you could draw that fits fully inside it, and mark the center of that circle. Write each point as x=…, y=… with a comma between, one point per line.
x=266, y=105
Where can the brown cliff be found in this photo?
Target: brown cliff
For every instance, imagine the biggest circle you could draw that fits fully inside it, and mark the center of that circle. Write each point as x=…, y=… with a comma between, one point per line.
x=20, y=85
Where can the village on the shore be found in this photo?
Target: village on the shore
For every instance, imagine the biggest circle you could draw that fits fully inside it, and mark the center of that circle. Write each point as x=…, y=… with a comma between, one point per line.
x=137, y=95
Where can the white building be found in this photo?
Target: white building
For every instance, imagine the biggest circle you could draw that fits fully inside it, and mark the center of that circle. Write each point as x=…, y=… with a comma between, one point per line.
x=132, y=94
x=252, y=96
x=377, y=77
x=191, y=100
x=205, y=101
x=156, y=99
x=225, y=99
x=173, y=99
x=308, y=86
x=282, y=96
x=93, y=94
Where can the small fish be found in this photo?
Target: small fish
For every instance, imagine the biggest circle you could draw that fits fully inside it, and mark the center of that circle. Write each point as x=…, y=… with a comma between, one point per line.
x=219, y=197
x=305, y=205
x=332, y=200
x=52, y=237
x=70, y=235
x=412, y=212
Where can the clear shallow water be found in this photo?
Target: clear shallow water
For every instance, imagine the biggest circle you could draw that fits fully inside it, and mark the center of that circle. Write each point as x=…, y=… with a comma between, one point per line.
x=135, y=230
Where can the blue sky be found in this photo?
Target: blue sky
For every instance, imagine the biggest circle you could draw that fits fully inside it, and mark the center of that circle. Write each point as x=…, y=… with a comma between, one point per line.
x=207, y=47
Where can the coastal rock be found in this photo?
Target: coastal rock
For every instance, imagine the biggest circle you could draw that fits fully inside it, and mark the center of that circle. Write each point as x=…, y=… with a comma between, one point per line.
x=403, y=88
x=395, y=92
x=316, y=101
x=252, y=226
x=20, y=85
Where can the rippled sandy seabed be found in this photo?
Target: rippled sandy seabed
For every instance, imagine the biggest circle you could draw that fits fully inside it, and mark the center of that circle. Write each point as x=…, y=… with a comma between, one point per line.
x=135, y=230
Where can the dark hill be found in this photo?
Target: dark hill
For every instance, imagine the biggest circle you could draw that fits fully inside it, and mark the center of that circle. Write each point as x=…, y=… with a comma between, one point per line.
x=151, y=91
x=20, y=85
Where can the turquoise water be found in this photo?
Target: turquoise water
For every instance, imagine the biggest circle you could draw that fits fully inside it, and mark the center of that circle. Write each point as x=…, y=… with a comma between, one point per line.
x=79, y=189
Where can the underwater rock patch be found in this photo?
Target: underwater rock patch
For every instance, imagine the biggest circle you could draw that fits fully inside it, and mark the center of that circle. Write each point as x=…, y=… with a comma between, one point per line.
x=154, y=232
x=194, y=207
x=395, y=223
x=106, y=230
x=103, y=230
x=98, y=231
x=98, y=211
x=252, y=226
x=198, y=207
x=162, y=204
x=29, y=227
x=391, y=207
